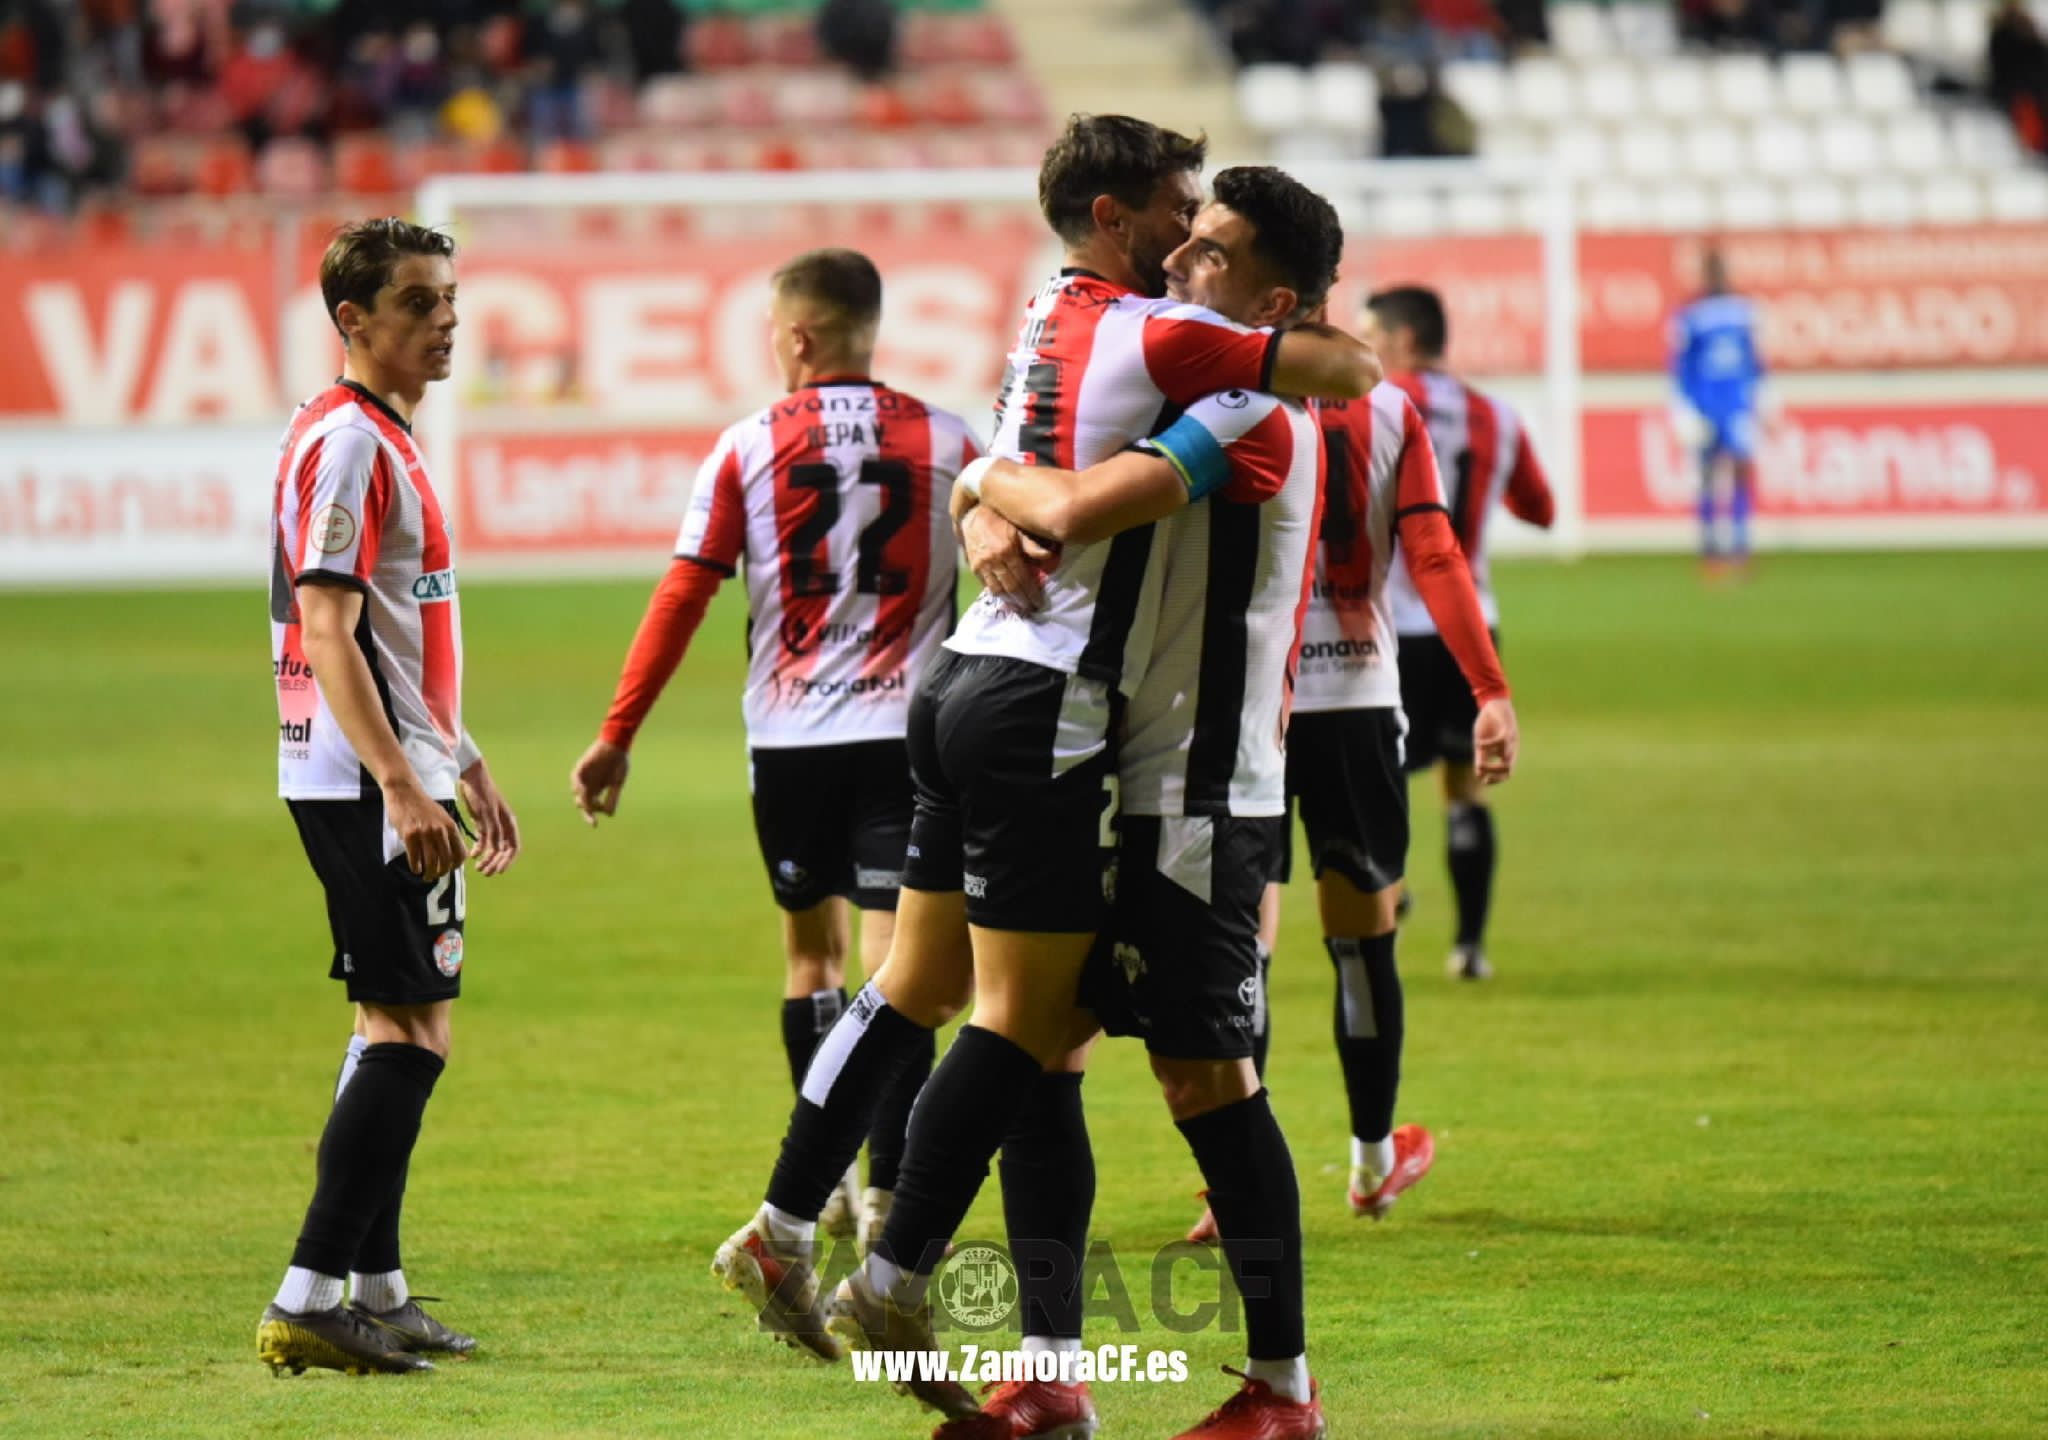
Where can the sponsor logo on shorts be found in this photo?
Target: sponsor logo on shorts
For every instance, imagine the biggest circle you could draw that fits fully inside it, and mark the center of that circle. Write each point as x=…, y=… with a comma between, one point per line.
x=436, y=585
x=976, y=886
x=448, y=953
x=1129, y=961
x=866, y=879
x=1248, y=992
x=334, y=530
x=791, y=873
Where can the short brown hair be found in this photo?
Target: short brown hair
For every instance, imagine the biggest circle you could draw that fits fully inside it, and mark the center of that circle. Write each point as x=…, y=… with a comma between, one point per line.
x=842, y=280
x=1109, y=155
x=360, y=257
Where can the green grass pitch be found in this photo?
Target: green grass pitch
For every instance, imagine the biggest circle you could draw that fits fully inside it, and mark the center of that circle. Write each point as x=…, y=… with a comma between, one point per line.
x=1749, y=1138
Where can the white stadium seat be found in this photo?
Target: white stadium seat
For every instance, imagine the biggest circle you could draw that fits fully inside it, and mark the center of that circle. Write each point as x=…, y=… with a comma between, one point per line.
x=1913, y=27
x=1613, y=205
x=1951, y=199
x=1610, y=90
x=1274, y=99
x=1408, y=212
x=1816, y=203
x=1848, y=146
x=1966, y=32
x=1916, y=144
x=1477, y=211
x=1714, y=150
x=1880, y=84
x=1645, y=30
x=1310, y=146
x=1682, y=205
x=1345, y=97
x=2021, y=195
x=1983, y=140
x=1678, y=87
x=1648, y=152
x=1744, y=85
x=1543, y=89
x=1509, y=141
x=1582, y=151
x=1580, y=30
x=1781, y=148
x=1480, y=87
x=1750, y=205
x=1811, y=84
x=1884, y=200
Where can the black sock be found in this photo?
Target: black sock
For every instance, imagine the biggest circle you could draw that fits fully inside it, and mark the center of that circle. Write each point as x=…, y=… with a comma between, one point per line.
x=378, y=1254
x=804, y=1023
x=1257, y=1201
x=967, y=1108
x=1048, y=1172
x=851, y=1071
x=891, y=1130
x=1468, y=834
x=1370, y=1025
x=363, y=1152
x=1262, y=1014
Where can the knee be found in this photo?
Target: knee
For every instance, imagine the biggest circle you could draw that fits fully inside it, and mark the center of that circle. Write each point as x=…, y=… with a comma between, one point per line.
x=813, y=970
x=1195, y=1087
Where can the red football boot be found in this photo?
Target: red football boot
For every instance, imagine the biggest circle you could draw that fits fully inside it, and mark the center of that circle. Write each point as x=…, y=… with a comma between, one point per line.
x=1027, y=1410
x=1256, y=1413
x=1414, y=1153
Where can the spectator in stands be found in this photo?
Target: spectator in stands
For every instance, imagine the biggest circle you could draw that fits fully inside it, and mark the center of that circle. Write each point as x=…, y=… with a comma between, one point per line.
x=1527, y=23
x=20, y=144
x=562, y=48
x=1731, y=24
x=2018, y=73
x=267, y=89
x=859, y=34
x=419, y=82
x=1463, y=29
x=1403, y=51
x=1855, y=25
x=654, y=36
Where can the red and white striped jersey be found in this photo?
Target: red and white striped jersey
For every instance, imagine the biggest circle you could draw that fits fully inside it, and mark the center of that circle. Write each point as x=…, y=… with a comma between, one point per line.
x=1380, y=466
x=835, y=498
x=1205, y=731
x=1096, y=368
x=353, y=506
x=1485, y=455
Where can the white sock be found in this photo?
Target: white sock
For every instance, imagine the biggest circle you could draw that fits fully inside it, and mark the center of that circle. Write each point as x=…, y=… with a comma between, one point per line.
x=306, y=1291
x=379, y=1294
x=785, y=1229
x=1375, y=1157
x=905, y=1287
x=1289, y=1378
x=1052, y=1344
x=357, y=1044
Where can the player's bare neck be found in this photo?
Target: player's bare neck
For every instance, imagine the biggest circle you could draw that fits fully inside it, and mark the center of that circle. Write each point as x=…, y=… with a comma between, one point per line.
x=1098, y=256
x=826, y=370
x=402, y=397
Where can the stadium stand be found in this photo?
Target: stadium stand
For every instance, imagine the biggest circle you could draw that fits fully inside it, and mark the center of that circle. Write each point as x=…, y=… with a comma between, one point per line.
x=107, y=103
x=1736, y=114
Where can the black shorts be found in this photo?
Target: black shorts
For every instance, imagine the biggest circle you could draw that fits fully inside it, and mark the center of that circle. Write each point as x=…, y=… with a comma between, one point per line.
x=1013, y=766
x=1179, y=963
x=1344, y=771
x=1438, y=702
x=397, y=938
x=832, y=820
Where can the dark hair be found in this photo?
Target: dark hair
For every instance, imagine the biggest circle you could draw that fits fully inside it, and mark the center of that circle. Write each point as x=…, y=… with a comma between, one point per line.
x=1294, y=230
x=845, y=280
x=1108, y=155
x=1417, y=308
x=359, y=259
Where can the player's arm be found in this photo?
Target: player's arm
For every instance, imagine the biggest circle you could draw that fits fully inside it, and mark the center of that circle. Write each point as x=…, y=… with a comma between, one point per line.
x=1528, y=494
x=329, y=611
x=1321, y=362
x=1443, y=578
x=1191, y=352
x=707, y=551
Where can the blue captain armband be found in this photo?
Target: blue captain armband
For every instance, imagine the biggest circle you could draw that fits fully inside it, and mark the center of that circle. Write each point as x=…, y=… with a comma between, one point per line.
x=1190, y=448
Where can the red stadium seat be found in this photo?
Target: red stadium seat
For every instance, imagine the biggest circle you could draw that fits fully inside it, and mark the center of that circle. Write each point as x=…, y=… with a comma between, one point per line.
x=159, y=166
x=745, y=103
x=790, y=40
x=881, y=107
x=948, y=99
x=632, y=150
x=224, y=167
x=983, y=39
x=718, y=42
x=366, y=165
x=291, y=168
x=678, y=101
x=565, y=157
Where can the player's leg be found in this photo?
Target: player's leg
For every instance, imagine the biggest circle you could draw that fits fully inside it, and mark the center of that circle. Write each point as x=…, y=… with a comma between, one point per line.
x=1472, y=856
x=1742, y=438
x=1189, y=897
x=803, y=815
x=1710, y=539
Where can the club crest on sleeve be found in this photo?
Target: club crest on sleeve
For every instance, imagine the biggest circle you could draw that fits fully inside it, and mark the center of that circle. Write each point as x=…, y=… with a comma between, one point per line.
x=334, y=529
x=448, y=953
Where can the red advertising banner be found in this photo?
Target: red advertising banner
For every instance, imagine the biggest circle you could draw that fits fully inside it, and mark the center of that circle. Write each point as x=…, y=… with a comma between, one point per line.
x=1835, y=462
x=121, y=334
x=605, y=490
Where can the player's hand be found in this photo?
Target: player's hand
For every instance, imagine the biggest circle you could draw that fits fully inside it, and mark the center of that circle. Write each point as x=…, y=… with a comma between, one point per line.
x=1495, y=739
x=1001, y=558
x=433, y=841
x=598, y=778
x=497, y=829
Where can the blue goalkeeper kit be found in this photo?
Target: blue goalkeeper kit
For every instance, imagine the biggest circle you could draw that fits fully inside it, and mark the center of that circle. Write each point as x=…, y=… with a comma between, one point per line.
x=1717, y=369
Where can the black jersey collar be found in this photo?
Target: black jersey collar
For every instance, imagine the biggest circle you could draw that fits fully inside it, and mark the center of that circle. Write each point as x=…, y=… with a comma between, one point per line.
x=378, y=400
